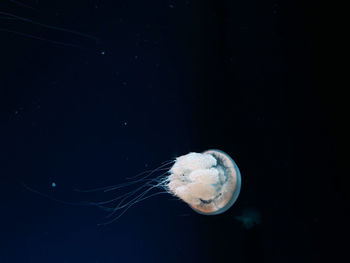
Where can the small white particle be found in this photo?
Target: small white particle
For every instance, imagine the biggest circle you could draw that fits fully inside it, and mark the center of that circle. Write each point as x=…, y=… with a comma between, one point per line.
x=53, y=184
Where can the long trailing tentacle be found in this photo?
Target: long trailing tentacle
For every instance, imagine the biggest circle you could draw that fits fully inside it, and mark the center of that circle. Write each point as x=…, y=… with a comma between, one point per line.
x=7, y=18
x=139, y=200
x=160, y=181
x=164, y=164
x=118, y=186
x=125, y=201
x=135, y=200
x=126, y=195
x=23, y=5
x=53, y=198
x=48, y=26
x=43, y=39
x=144, y=179
x=109, y=188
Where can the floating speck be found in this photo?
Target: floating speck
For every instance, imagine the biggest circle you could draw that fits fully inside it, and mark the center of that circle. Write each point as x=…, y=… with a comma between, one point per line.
x=125, y=123
x=53, y=184
x=102, y=52
x=171, y=6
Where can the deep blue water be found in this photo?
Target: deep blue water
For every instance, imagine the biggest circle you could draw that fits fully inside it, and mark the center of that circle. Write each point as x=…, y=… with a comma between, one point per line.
x=161, y=79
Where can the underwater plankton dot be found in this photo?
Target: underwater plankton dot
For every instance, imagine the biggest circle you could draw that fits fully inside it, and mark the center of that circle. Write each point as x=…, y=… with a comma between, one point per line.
x=209, y=182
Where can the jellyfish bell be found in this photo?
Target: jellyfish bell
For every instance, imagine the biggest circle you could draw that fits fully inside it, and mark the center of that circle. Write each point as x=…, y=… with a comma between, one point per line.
x=209, y=182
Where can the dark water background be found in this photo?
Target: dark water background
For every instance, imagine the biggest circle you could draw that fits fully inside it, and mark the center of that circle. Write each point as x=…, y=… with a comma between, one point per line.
x=255, y=79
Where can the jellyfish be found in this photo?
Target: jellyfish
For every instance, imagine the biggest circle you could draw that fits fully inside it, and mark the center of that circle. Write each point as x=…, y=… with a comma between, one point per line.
x=208, y=182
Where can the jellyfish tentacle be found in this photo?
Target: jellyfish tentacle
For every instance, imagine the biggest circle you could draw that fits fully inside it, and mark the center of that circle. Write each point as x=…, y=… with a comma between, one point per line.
x=125, y=210
x=119, y=197
x=120, y=206
x=122, y=203
x=148, y=171
x=53, y=198
x=132, y=202
x=23, y=5
x=152, y=171
x=141, y=180
x=110, y=188
x=43, y=39
x=48, y=26
x=135, y=199
x=118, y=186
x=7, y=18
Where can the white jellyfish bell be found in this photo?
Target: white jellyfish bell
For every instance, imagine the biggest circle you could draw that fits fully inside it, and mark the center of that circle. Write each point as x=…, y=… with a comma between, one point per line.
x=209, y=182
